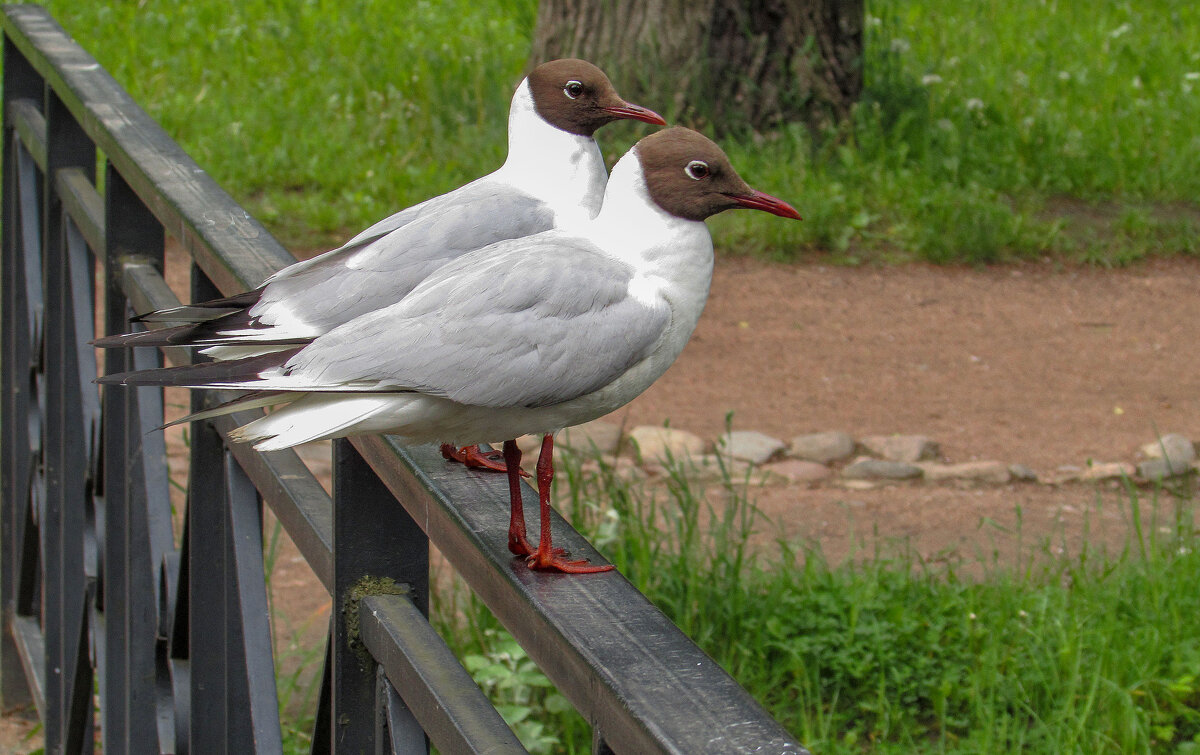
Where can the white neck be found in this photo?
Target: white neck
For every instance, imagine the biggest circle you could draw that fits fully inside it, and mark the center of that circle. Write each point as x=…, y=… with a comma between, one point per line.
x=633, y=227
x=564, y=170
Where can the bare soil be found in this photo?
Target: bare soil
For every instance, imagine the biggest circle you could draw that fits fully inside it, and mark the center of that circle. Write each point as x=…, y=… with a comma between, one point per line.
x=1034, y=364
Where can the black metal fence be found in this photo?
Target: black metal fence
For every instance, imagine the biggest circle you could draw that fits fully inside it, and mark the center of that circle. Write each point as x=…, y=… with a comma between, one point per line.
x=106, y=623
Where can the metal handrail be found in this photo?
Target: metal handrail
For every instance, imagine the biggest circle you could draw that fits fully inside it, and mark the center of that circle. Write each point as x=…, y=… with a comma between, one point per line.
x=174, y=639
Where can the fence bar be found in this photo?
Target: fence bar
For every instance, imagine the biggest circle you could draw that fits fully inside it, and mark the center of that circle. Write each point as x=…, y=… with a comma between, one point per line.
x=85, y=206
x=440, y=693
x=64, y=460
x=379, y=542
x=30, y=124
x=136, y=508
x=396, y=730
x=253, y=717
x=32, y=648
x=18, y=546
x=206, y=592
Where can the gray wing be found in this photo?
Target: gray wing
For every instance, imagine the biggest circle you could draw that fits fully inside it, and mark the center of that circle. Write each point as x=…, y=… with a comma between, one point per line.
x=373, y=272
x=529, y=323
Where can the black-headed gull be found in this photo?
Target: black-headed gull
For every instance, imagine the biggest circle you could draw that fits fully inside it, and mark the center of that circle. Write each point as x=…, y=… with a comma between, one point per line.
x=524, y=336
x=554, y=176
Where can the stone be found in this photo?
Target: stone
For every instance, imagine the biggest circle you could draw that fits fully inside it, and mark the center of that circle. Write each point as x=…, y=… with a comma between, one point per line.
x=799, y=470
x=860, y=484
x=623, y=468
x=905, y=448
x=750, y=446
x=1063, y=474
x=596, y=436
x=710, y=469
x=1108, y=471
x=627, y=469
x=656, y=443
x=822, y=447
x=879, y=469
x=993, y=472
x=1159, y=469
x=1175, y=449
x=1022, y=473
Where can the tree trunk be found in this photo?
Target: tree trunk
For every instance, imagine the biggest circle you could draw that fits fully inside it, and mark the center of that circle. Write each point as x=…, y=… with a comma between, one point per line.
x=730, y=63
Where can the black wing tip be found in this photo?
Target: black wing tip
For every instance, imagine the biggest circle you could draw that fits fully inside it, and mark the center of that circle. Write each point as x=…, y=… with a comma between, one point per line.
x=216, y=375
x=234, y=303
x=176, y=336
x=143, y=377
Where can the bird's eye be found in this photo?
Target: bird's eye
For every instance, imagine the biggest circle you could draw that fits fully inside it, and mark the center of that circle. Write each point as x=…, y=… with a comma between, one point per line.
x=697, y=169
x=573, y=89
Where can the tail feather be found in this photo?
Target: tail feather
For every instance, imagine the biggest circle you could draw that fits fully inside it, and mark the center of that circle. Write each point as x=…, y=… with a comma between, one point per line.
x=253, y=400
x=211, y=332
x=160, y=337
x=184, y=314
x=202, y=311
x=316, y=418
x=224, y=352
x=205, y=374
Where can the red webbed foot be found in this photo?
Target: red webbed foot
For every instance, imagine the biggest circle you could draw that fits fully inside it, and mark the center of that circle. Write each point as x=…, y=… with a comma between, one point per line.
x=518, y=545
x=557, y=561
x=547, y=557
x=474, y=458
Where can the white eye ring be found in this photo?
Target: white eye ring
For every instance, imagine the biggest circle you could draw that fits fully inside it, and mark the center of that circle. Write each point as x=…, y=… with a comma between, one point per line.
x=696, y=170
x=573, y=89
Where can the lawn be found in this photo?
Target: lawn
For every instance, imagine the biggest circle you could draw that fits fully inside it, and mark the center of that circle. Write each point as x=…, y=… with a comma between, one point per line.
x=988, y=131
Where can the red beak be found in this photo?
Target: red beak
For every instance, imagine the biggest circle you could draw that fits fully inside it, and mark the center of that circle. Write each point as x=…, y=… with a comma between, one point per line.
x=757, y=200
x=635, y=112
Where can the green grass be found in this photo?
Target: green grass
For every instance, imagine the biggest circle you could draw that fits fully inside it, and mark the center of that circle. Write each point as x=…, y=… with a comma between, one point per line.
x=1089, y=652
x=976, y=119
x=320, y=117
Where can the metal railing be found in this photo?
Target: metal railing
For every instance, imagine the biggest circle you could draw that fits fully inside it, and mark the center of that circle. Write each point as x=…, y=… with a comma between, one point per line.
x=114, y=632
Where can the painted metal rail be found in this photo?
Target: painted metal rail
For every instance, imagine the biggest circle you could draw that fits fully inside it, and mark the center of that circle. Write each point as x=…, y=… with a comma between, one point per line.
x=124, y=631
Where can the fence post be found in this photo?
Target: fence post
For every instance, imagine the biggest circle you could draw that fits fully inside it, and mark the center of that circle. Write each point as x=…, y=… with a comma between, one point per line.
x=16, y=356
x=136, y=506
x=234, y=707
x=381, y=541
x=69, y=718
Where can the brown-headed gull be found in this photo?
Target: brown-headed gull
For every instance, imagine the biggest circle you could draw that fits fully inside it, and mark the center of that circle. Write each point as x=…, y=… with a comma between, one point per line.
x=524, y=336
x=554, y=176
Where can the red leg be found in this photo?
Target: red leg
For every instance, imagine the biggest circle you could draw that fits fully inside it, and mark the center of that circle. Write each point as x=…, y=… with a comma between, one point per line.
x=547, y=557
x=473, y=458
x=518, y=544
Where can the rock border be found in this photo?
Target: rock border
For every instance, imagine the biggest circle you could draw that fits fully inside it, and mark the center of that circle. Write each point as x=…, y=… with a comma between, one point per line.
x=836, y=458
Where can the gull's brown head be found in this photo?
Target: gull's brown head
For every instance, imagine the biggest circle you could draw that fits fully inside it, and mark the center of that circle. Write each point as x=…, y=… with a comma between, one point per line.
x=690, y=177
x=577, y=97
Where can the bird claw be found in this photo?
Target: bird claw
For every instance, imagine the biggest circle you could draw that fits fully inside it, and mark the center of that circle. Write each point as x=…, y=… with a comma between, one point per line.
x=473, y=458
x=556, y=561
x=519, y=546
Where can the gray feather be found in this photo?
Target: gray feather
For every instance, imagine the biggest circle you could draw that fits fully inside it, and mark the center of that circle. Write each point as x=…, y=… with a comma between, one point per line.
x=532, y=322
x=373, y=272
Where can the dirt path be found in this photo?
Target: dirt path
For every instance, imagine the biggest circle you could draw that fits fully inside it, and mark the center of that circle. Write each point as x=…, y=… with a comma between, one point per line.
x=1026, y=364
x=1031, y=364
